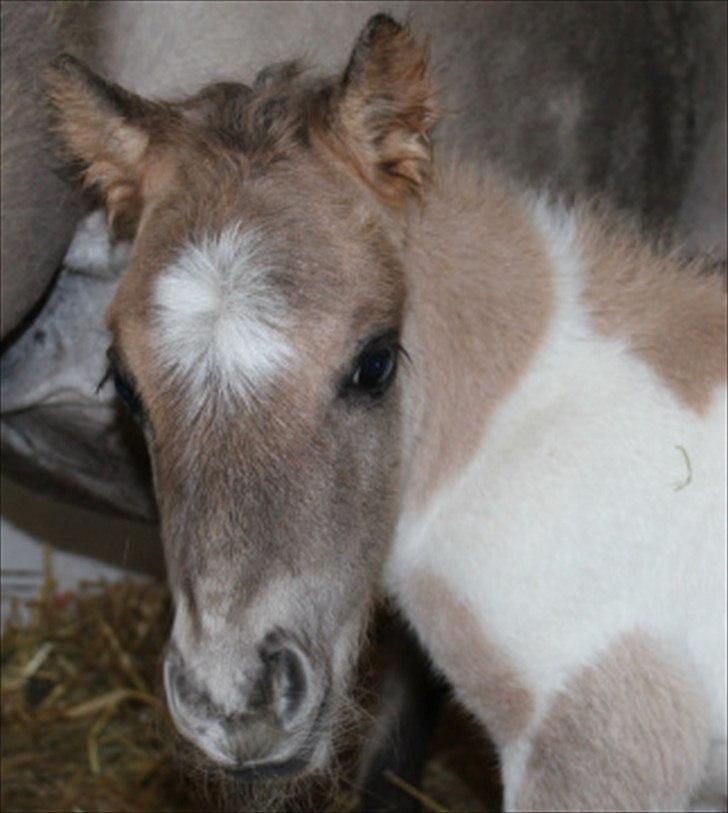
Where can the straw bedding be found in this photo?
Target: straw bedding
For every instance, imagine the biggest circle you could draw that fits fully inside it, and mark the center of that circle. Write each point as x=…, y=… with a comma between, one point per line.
x=84, y=729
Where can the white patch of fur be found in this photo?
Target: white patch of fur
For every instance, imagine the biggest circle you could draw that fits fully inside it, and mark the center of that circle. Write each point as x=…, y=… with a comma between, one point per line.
x=565, y=529
x=514, y=762
x=219, y=318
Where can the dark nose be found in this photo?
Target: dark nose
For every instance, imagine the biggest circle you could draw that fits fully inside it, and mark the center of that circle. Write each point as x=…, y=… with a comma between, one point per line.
x=265, y=725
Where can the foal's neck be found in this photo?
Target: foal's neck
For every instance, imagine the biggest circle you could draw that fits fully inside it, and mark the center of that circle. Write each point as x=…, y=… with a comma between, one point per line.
x=483, y=264
x=480, y=297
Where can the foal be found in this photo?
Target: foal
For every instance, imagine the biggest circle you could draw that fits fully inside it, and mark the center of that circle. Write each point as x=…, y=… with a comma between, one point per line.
x=352, y=370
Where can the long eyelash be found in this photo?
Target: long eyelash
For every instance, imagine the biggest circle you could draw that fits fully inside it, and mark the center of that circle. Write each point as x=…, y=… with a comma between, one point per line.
x=107, y=375
x=402, y=352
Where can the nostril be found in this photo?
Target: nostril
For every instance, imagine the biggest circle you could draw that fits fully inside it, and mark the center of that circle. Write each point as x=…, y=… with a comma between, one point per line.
x=285, y=677
x=194, y=715
x=183, y=695
x=170, y=681
x=176, y=690
x=289, y=683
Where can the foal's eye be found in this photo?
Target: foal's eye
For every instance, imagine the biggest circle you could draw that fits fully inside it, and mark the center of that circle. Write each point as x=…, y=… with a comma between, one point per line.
x=375, y=368
x=125, y=390
x=123, y=386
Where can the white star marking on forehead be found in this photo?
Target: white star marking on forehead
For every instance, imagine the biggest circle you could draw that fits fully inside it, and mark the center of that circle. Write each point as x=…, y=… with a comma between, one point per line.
x=218, y=317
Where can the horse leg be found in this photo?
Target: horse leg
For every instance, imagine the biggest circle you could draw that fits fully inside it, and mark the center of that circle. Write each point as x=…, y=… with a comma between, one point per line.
x=627, y=733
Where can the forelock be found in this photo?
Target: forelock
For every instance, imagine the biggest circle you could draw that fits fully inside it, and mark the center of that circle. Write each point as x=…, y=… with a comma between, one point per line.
x=220, y=324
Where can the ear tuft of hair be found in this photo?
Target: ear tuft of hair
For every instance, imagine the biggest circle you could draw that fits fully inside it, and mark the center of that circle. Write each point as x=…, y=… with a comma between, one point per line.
x=102, y=127
x=386, y=108
x=67, y=72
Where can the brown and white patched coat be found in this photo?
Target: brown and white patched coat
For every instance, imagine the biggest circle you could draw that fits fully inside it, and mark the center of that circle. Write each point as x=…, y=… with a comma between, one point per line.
x=539, y=483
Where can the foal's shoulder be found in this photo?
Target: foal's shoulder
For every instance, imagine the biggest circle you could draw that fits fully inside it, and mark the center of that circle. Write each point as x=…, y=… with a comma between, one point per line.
x=670, y=310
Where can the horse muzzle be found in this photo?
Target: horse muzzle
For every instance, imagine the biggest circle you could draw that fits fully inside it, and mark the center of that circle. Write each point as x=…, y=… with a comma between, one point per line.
x=258, y=728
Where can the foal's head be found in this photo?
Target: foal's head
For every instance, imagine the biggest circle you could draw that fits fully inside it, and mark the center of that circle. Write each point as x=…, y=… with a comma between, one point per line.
x=256, y=338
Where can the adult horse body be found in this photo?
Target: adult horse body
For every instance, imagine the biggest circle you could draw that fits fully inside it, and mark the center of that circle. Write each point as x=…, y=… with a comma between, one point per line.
x=541, y=485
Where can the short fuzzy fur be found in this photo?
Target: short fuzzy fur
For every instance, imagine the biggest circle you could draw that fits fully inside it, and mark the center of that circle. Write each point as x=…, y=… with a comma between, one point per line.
x=547, y=472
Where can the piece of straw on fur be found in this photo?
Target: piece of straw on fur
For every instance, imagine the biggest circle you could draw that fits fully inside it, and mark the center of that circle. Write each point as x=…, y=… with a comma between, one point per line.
x=426, y=802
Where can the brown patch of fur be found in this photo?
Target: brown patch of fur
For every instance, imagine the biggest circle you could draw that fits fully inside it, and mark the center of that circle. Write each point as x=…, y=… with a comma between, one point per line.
x=480, y=292
x=375, y=118
x=96, y=130
x=484, y=679
x=241, y=489
x=672, y=314
x=628, y=733
x=338, y=268
x=287, y=466
x=384, y=111
x=128, y=146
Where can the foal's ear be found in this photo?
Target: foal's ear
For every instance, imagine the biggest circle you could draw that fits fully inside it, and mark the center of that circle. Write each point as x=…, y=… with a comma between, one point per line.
x=106, y=129
x=386, y=108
